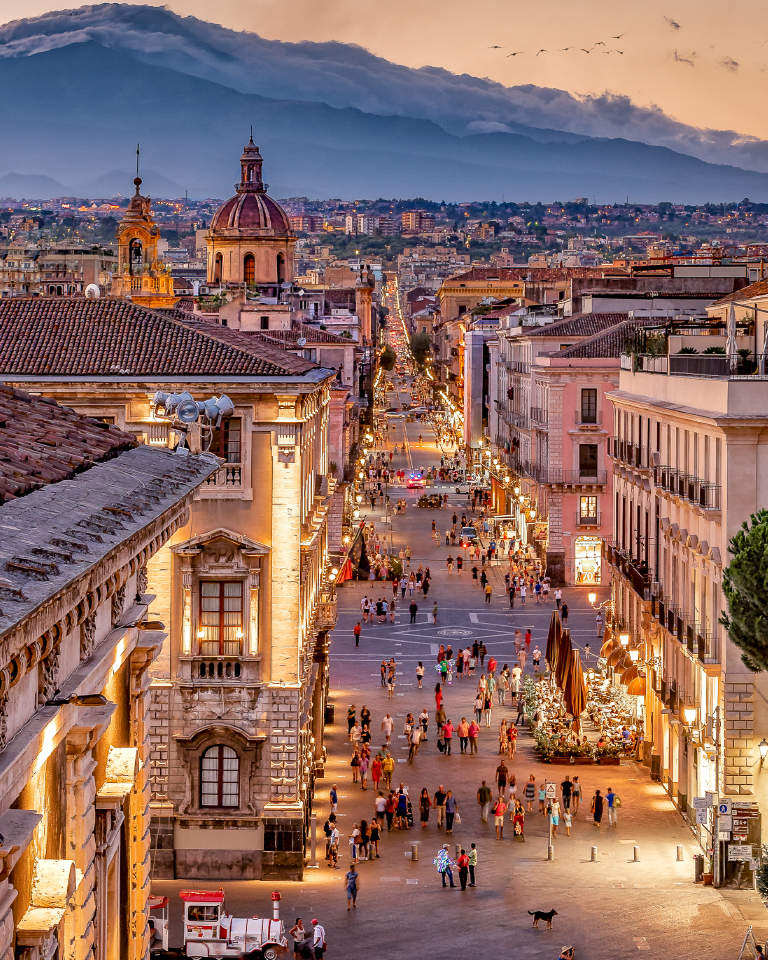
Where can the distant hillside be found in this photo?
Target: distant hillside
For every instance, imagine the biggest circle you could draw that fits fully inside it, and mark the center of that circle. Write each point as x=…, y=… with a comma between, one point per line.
x=192, y=131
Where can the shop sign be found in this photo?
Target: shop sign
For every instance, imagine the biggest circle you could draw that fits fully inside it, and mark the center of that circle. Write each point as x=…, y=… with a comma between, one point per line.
x=738, y=851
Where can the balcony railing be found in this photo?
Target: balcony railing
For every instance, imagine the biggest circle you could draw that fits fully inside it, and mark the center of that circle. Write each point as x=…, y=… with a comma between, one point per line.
x=588, y=519
x=630, y=453
x=635, y=572
x=229, y=475
x=696, y=491
x=539, y=415
x=217, y=668
x=698, y=365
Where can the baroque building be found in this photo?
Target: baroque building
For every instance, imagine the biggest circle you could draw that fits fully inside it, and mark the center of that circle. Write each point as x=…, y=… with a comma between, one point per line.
x=141, y=276
x=238, y=691
x=250, y=241
x=84, y=510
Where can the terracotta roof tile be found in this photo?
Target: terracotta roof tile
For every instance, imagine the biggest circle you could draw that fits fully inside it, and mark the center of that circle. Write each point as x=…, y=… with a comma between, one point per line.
x=579, y=325
x=609, y=342
x=536, y=274
x=77, y=337
x=42, y=442
x=757, y=289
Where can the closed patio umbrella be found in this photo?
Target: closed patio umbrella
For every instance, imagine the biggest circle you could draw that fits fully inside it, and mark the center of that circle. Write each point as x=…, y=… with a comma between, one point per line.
x=636, y=687
x=564, y=656
x=608, y=647
x=575, y=690
x=553, y=640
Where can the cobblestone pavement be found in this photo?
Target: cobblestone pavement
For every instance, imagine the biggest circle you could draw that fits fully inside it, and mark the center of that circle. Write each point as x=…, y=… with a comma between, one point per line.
x=610, y=909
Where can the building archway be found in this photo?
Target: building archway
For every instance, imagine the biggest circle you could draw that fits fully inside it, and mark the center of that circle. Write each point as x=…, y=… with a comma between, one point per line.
x=280, y=268
x=218, y=266
x=249, y=269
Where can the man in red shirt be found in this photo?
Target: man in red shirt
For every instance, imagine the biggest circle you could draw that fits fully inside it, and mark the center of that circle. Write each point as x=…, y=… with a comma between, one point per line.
x=356, y=632
x=463, y=864
x=492, y=665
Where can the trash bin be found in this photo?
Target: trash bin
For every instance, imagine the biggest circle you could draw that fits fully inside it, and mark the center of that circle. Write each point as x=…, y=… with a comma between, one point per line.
x=329, y=712
x=698, y=867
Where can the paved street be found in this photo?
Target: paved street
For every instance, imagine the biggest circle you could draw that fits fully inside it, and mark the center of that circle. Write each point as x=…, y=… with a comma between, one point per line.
x=611, y=909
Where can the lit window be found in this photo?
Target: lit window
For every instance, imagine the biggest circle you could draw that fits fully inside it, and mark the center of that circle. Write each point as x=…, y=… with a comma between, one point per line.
x=221, y=617
x=588, y=509
x=219, y=777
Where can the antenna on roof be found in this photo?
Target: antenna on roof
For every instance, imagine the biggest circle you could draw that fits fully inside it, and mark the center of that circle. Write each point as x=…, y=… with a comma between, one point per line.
x=138, y=151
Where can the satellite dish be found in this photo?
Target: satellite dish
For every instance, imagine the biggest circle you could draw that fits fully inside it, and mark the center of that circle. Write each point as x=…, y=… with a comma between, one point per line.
x=301, y=342
x=92, y=291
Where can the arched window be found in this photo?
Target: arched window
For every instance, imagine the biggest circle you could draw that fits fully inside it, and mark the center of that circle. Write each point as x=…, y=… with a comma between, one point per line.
x=249, y=269
x=219, y=777
x=218, y=264
x=280, y=268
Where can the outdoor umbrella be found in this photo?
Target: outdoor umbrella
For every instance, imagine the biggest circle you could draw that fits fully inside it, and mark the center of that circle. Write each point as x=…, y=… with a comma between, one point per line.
x=553, y=640
x=575, y=690
x=731, y=347
x=636, y=687
x=617, y=658
x=608, y=647
x=627, y=673
x=564, y=656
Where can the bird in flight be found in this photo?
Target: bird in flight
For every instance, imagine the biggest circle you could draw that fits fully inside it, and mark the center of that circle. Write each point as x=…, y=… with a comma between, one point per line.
x=618, y=36
x=515, y=53
x=599, y=43
x=584, y=50
x=495, y=46
x=565, y=49
x=543, y=50
x=672, y=24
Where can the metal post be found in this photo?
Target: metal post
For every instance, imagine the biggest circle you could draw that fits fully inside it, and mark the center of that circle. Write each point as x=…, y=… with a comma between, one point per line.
x=593, y=855
x=679, y=852
x=635, y=854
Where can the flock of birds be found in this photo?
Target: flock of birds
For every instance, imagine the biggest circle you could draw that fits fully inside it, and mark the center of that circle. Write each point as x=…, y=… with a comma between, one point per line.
x=598, y=43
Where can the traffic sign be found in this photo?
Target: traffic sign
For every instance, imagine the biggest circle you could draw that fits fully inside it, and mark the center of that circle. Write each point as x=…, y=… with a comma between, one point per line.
x=725, y=823
x=701, y=815
x=700, y=803
x=724, y=808
x=551, y=790
x=738, y=851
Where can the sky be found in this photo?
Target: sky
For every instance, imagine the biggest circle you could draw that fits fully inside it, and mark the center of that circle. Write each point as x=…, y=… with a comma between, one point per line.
x=703, y=62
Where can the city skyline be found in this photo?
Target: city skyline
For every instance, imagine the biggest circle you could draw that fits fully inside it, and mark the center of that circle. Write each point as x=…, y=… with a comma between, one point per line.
x=667, y=59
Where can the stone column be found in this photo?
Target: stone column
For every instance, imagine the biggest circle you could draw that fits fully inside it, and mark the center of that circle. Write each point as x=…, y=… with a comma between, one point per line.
x=80, y=840
x=738, y=736
x=137, y=808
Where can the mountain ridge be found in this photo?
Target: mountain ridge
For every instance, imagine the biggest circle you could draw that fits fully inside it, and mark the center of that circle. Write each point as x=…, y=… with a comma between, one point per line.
x=193, y=130
x=345, y=75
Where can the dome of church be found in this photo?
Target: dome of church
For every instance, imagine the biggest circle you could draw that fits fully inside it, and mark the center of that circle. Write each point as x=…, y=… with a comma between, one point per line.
x=251, y=212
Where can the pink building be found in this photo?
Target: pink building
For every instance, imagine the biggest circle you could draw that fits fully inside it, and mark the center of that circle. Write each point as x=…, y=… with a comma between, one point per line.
x=562, y=448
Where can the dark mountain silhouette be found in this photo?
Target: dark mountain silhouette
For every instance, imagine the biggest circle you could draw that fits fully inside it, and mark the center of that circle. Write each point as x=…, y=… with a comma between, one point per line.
x=77, y=112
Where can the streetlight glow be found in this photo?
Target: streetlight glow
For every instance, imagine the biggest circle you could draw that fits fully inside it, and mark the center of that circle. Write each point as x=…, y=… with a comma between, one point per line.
x=624, y=639
x=592, y=597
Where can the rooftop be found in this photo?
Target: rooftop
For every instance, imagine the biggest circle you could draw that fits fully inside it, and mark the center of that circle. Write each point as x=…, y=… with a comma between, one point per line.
x=609, y=343
x=54, y=535
x=532, y=274
x=42, y=442
x=757, y=289
x=579, y=325
x=114, y=337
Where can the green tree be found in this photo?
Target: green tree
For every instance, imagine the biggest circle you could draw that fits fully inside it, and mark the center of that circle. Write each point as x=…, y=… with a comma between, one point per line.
x=387, y=358
x=745, y=585
x=421, y=346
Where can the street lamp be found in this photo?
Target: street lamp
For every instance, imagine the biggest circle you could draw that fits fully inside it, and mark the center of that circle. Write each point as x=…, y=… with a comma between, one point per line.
x=592, y=597
x=624, y=639
x=763, y=748
x=634, y=655
x=359, y=498
x=689, y=714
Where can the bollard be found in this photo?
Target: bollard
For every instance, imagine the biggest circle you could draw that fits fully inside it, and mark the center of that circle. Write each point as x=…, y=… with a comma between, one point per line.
x=679, y=852
x=593, y=855
x=414, y=852
x=550, y=852
x=635, y=854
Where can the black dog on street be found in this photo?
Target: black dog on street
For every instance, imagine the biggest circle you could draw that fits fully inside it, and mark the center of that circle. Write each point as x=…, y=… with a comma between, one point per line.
x=542, y=915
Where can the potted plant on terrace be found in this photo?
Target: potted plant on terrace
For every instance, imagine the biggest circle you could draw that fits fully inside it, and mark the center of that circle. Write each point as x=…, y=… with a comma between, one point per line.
x=609, y=754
